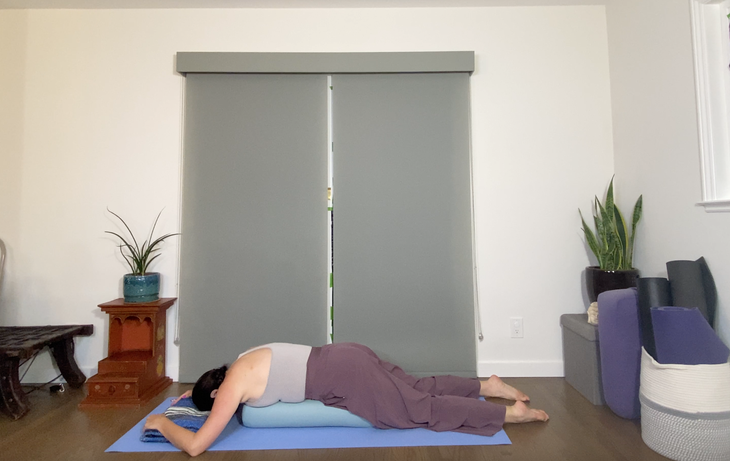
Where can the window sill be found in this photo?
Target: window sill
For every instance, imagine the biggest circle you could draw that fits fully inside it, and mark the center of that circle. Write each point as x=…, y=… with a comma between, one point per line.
x=716, y=206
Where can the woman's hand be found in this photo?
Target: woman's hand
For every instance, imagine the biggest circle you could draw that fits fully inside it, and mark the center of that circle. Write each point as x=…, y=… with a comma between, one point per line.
x=155, y=421
x=184, y=396
x=194, y=443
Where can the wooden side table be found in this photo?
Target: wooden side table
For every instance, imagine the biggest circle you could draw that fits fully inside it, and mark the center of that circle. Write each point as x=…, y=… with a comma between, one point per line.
x=134, y=370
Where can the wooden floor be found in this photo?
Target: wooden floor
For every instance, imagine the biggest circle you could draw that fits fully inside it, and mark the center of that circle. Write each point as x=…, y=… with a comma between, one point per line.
x=55, y=429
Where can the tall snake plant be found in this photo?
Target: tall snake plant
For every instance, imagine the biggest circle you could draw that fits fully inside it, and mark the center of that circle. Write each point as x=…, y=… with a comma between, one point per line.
x=611, y=243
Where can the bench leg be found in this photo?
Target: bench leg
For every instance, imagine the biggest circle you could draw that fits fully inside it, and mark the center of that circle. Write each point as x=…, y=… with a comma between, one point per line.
x=63, y=352
x=12, y=397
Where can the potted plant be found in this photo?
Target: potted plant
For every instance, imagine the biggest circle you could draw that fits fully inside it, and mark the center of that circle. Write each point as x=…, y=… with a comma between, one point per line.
x=140, y=286
x=613, y=246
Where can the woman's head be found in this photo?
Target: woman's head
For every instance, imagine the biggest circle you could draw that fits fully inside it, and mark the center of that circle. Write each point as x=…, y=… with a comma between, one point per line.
x=209, y=382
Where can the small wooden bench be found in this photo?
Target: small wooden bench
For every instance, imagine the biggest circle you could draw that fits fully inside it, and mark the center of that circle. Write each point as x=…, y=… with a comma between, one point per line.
x=20, y=343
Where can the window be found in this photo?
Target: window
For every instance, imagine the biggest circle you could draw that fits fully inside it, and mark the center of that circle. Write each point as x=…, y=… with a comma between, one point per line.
x=711, y=41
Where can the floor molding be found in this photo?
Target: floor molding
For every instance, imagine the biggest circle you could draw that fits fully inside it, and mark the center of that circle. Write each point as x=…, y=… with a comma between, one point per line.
x=521, y=369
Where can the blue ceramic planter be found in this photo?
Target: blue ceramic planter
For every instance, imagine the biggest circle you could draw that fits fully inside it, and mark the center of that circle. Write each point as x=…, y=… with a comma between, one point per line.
x=142, y=288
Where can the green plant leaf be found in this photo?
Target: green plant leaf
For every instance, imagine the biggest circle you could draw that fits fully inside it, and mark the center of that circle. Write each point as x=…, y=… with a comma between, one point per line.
x=598, y=223
x=127, y=259
x=128, y=229
x=137, y=257
x=124, y=242
x=609, y=196
x=636, y=217
x=591, y=239
x=147, y=263
x=611, y=243
x=622, y=237
x=608, y=236
x=153, y=227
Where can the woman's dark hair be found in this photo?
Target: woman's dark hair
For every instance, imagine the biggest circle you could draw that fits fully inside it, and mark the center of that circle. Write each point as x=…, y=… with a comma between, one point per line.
x=210, y=381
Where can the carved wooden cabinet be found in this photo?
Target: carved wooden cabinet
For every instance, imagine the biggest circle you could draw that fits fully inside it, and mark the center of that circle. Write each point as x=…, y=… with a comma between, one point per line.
x=134, y=370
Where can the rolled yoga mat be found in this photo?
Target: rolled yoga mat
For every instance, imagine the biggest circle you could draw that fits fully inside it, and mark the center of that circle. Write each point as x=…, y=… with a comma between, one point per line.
x=692, y=285
x=684, y=337
x=652, y=292
x=620, y=346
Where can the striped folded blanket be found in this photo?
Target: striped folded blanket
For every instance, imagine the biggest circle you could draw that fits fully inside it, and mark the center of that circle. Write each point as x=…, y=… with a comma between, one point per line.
x=185, y=414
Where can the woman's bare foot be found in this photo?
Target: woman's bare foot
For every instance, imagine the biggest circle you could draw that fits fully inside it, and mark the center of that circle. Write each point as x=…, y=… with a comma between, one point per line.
x=521, y=413
x=495, y=387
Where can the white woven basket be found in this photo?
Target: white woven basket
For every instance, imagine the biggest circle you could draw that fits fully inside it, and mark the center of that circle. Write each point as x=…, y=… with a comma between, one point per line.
x=688, y=388
x=685, y=410
x=685, y=436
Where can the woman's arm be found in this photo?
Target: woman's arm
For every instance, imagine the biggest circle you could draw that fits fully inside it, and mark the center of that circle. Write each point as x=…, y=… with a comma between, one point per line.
x=194, y=443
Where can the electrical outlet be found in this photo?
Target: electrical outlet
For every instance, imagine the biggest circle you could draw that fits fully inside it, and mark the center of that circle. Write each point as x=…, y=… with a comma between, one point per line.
x=515, y=327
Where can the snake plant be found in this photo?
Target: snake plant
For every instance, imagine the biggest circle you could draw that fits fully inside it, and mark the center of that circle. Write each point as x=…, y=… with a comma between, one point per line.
x=612, y=243
x=138, y=257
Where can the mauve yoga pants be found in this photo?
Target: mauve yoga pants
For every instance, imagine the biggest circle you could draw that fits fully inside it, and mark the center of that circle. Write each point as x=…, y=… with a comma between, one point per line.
x=351, y=376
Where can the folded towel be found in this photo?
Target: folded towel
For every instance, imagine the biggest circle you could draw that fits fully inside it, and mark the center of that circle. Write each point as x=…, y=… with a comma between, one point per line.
x=184, y=414
x=185, y=407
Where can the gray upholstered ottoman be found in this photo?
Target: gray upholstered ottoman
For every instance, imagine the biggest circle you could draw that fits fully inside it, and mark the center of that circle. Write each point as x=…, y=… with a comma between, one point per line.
x=581, y=358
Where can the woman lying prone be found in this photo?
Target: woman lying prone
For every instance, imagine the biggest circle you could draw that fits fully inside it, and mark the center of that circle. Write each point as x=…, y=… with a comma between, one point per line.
x=349, y=376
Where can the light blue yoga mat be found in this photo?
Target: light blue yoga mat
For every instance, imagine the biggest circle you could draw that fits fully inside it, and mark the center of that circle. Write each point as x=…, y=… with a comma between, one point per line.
x=237, y=438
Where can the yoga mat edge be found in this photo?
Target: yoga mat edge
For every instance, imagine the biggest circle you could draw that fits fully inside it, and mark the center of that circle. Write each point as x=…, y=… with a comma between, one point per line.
x=238, y=438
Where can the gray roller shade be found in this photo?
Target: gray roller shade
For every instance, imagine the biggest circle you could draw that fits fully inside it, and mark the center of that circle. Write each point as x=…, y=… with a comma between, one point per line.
x=254, y=259
x=403, y=277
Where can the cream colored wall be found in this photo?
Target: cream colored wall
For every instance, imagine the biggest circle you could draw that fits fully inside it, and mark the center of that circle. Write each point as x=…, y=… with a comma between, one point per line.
x=13, y=32
x=656, y=141
x=102, y=127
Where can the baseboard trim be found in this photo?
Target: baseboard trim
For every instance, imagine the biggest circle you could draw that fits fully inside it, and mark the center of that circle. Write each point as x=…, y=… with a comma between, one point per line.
x=521, y=369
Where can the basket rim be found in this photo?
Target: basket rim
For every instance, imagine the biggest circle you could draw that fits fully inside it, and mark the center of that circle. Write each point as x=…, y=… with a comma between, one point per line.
x=679, y=366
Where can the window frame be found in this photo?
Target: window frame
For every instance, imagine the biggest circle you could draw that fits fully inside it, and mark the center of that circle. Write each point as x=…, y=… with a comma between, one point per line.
x=712, y=91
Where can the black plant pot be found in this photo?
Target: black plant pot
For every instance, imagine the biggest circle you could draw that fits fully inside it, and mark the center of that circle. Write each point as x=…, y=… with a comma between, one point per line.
x=598, y=280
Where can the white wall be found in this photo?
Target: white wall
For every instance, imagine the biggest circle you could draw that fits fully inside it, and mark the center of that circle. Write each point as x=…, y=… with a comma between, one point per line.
x=101, y=111
x=656, y=141
x=12, y=73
